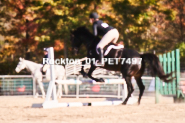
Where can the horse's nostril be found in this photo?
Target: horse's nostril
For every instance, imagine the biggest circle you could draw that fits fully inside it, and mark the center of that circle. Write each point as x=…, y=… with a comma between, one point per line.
x=75, y=50
x=17, y=70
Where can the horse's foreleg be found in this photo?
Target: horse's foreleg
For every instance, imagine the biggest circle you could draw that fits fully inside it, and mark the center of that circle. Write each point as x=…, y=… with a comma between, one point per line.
x=92, y=68
x=82, y=69
x=35, y=94
x=41, y=87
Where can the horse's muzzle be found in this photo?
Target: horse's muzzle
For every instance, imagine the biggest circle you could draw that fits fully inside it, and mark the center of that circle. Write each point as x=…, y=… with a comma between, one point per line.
x=75, y=51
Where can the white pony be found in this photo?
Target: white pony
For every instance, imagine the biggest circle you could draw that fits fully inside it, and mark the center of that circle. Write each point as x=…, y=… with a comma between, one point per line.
x=35, y=70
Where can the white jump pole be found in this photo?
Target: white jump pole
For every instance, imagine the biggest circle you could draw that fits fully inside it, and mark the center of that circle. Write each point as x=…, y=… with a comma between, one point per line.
x=107, y=81
x=51, y=92
x=79, y=82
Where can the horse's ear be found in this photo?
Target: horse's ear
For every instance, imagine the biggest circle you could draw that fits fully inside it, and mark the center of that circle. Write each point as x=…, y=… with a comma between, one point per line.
x=20, y=59
x=84, y=27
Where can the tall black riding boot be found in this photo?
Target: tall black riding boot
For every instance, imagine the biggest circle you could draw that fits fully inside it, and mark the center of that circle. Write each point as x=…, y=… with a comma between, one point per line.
x=43, y=73
x=100, y=51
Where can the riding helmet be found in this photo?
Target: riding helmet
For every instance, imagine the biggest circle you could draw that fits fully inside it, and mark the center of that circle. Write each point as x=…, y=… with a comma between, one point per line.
x=93, y=15
x=46, y=49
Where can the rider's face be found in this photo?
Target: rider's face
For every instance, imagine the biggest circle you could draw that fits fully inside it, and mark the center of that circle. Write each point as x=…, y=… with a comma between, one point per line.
x=45, y=52
x=91, y=20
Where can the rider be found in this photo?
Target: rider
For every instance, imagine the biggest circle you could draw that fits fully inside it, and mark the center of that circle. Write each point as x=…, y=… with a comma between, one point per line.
x=45, y=66
x=109, y=33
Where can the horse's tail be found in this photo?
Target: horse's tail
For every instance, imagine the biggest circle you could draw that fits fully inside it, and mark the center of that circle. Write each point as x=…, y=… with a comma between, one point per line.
x=156, y=68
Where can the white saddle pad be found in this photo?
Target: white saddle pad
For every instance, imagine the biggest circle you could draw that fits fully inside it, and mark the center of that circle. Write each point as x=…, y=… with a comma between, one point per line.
x=114, y=47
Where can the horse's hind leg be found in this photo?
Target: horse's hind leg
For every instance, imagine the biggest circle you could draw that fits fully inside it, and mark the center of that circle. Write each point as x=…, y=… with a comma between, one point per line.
x=129, y=88
x=59, y=91
x=141, y=87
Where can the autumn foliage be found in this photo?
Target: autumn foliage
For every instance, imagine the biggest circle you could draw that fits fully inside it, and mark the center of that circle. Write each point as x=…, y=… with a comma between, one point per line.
x=27, y=26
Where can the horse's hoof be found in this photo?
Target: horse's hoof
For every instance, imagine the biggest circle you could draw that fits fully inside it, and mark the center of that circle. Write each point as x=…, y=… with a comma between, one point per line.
x=60, y=97
x=124, y=103
x=101, y=80
x=35, y=96
x=85, y=75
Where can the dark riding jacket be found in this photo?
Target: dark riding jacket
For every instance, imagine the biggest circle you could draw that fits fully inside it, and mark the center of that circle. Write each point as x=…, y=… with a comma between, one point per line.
x=100, y=28
x=45, y=56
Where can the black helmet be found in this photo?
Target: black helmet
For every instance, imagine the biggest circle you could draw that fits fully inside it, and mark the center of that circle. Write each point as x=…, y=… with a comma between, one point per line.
x=93, y=15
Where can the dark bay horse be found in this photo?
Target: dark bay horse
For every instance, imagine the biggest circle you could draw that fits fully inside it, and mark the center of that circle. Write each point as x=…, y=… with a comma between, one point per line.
x=83, y=36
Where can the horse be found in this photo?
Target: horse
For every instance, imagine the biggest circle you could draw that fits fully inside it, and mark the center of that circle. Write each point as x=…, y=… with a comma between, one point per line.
x=83, y=36
x=35, y=70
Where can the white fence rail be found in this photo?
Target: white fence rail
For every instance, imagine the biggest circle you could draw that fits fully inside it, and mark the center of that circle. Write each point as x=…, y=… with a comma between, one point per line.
x=10, y=83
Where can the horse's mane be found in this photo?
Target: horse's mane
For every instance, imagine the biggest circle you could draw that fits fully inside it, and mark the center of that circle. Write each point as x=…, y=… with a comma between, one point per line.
x=89, y=37
x=32, y=62
x=83, y=30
